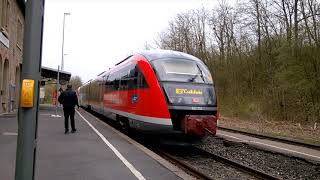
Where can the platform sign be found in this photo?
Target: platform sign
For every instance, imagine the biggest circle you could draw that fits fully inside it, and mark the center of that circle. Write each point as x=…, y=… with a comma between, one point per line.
x=27, y=92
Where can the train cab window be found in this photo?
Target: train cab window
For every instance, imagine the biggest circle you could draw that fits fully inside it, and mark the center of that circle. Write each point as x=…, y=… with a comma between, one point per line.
x=182, y=70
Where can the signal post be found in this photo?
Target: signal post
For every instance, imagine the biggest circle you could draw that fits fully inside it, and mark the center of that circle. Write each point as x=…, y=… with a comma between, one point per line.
x=29, y=100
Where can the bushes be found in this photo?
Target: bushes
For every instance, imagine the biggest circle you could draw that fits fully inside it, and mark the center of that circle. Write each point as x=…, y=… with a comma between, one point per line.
x=289, y=90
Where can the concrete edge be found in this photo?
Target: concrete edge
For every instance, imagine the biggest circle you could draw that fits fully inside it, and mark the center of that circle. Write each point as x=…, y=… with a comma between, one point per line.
x=15, y=111
x=176, y=170
x=282, y=139
x=272, y=150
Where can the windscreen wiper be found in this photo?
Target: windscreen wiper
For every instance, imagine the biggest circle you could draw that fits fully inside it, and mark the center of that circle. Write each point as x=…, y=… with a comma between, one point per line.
x=193, y=78
x=201, y=74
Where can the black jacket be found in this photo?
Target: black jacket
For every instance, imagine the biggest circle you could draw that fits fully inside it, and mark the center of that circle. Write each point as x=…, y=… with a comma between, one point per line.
x=68, y=98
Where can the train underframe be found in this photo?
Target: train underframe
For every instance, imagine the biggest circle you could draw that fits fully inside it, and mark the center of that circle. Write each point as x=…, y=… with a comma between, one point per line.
x=193, y=123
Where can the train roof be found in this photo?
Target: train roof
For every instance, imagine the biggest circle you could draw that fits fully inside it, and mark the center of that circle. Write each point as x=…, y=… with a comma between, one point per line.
x=162, y=54
x=151, y=55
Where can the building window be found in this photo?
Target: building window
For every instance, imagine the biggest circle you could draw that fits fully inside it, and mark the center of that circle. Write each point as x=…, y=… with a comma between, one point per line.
x=4, y=16
x=19, y=34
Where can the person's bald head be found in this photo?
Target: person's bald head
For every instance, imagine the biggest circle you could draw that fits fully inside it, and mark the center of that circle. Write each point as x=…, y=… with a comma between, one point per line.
x=69, y=86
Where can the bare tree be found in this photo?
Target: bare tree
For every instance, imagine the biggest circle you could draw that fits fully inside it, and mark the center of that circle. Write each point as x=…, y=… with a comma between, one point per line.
x=76, y=82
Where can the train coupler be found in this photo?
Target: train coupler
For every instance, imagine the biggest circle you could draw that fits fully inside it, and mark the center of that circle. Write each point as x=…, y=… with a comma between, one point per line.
x=198, y=125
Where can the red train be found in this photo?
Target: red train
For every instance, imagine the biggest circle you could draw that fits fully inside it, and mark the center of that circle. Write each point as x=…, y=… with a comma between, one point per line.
x=158, y=90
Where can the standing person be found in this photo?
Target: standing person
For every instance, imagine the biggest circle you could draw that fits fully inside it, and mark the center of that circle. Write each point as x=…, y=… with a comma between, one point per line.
x=69, y=100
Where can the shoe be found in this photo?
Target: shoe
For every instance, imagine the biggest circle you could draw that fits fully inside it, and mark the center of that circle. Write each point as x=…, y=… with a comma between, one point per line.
x=73, y=131
x=66, y=132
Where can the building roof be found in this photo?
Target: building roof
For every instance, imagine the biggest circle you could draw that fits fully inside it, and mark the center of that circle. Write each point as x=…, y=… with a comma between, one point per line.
x=53, y=74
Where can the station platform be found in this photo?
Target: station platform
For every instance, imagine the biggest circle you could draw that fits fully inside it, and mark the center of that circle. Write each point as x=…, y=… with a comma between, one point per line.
x=95, y=151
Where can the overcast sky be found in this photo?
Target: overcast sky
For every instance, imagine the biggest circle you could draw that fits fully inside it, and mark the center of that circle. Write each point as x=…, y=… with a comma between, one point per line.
x=100, y=33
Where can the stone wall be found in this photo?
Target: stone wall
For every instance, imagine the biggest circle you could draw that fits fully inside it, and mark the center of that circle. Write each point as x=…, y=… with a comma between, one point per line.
x=11, y=57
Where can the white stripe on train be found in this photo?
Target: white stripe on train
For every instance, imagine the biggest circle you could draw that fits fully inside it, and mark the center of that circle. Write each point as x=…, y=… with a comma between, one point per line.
x=147, y=119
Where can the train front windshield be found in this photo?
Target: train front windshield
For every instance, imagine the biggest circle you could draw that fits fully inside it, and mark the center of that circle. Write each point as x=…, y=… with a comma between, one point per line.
x=182, y=70
x=185, y=82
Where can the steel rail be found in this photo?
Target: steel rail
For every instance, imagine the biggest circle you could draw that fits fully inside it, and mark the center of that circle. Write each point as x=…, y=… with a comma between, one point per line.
x=244, y=168
x=278, y=139
x=193, y=171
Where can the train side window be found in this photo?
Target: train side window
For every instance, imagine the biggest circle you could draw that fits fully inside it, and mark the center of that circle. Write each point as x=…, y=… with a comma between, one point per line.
x=124, y=74
x=123, y=84
x=127, y=78
x=116, y=84
x=131, y=77
x=109, y=83
x=137, y=79
x=141, y=81
x=136, y=72
x=131, y=83
x=132, y=71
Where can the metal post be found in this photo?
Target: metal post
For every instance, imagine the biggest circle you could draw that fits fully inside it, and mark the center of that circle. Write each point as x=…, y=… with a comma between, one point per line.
x=62, y=55
x=31, y=67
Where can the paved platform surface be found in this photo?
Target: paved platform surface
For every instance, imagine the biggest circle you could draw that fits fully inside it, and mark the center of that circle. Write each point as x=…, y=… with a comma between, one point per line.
x=93, y=152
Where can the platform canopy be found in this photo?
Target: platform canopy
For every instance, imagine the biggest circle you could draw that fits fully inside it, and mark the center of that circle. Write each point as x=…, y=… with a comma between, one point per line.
x=50, y=73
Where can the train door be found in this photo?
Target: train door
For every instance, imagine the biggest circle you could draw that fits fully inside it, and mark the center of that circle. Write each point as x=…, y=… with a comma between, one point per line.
x=123, y=89
x=89, y=95
x=102, y=90
x=132, y=90
x=108, y=97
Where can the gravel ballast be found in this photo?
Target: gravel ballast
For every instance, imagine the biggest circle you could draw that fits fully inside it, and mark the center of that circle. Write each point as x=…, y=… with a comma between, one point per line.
x=214, y=169
x=278, y=165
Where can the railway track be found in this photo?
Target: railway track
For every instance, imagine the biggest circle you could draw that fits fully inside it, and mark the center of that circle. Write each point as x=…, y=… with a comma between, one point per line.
x=278, y=139
x=204, y=154
x=186, y=167
x=199, y=156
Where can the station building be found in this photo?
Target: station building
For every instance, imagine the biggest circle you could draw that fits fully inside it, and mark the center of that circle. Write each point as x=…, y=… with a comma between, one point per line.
x=11, y=44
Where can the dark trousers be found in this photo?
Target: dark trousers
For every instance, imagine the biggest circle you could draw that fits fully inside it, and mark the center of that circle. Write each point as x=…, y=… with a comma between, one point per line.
x=69, y=112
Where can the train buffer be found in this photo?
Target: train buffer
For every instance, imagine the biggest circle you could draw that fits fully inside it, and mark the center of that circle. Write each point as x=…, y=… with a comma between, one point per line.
x=95, y=151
